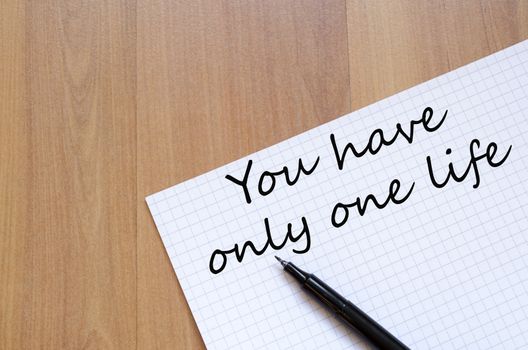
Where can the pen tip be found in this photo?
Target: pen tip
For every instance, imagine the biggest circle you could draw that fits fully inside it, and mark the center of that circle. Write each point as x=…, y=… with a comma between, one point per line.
x=280, y=260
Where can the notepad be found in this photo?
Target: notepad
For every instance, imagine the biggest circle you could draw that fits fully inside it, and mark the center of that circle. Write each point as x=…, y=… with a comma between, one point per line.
x=414, y=208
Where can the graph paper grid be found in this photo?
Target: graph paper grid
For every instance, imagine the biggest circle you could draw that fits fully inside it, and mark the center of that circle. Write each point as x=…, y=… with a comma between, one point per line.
x=446, y=269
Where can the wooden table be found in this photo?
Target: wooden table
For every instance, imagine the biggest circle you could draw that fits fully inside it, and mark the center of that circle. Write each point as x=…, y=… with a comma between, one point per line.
x=105, y=101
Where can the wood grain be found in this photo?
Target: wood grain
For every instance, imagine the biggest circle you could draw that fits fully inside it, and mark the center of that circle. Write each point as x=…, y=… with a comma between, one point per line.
x=218, y=80
x=14, y=175
x=72, y=219
x=394, y=45
x=103, y=102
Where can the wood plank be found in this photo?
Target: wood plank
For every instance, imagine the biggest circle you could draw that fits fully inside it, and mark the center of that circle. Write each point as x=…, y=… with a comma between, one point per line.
x=218, y=80
x=394, y=45
x=72, y=282
x=14, y=173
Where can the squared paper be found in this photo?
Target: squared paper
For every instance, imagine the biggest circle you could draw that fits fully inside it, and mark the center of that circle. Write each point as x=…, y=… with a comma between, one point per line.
x=446, y=269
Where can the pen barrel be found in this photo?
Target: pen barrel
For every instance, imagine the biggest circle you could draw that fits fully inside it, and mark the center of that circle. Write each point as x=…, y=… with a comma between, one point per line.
x=353, y=315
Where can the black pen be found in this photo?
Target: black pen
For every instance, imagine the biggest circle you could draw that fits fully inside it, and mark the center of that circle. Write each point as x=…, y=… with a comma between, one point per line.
x=349, y=312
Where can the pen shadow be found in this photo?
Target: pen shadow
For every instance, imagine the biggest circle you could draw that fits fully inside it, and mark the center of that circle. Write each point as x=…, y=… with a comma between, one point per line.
x=341, y=328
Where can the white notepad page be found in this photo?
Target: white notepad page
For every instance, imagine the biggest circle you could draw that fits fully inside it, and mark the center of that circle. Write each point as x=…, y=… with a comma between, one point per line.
x=445, y=269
